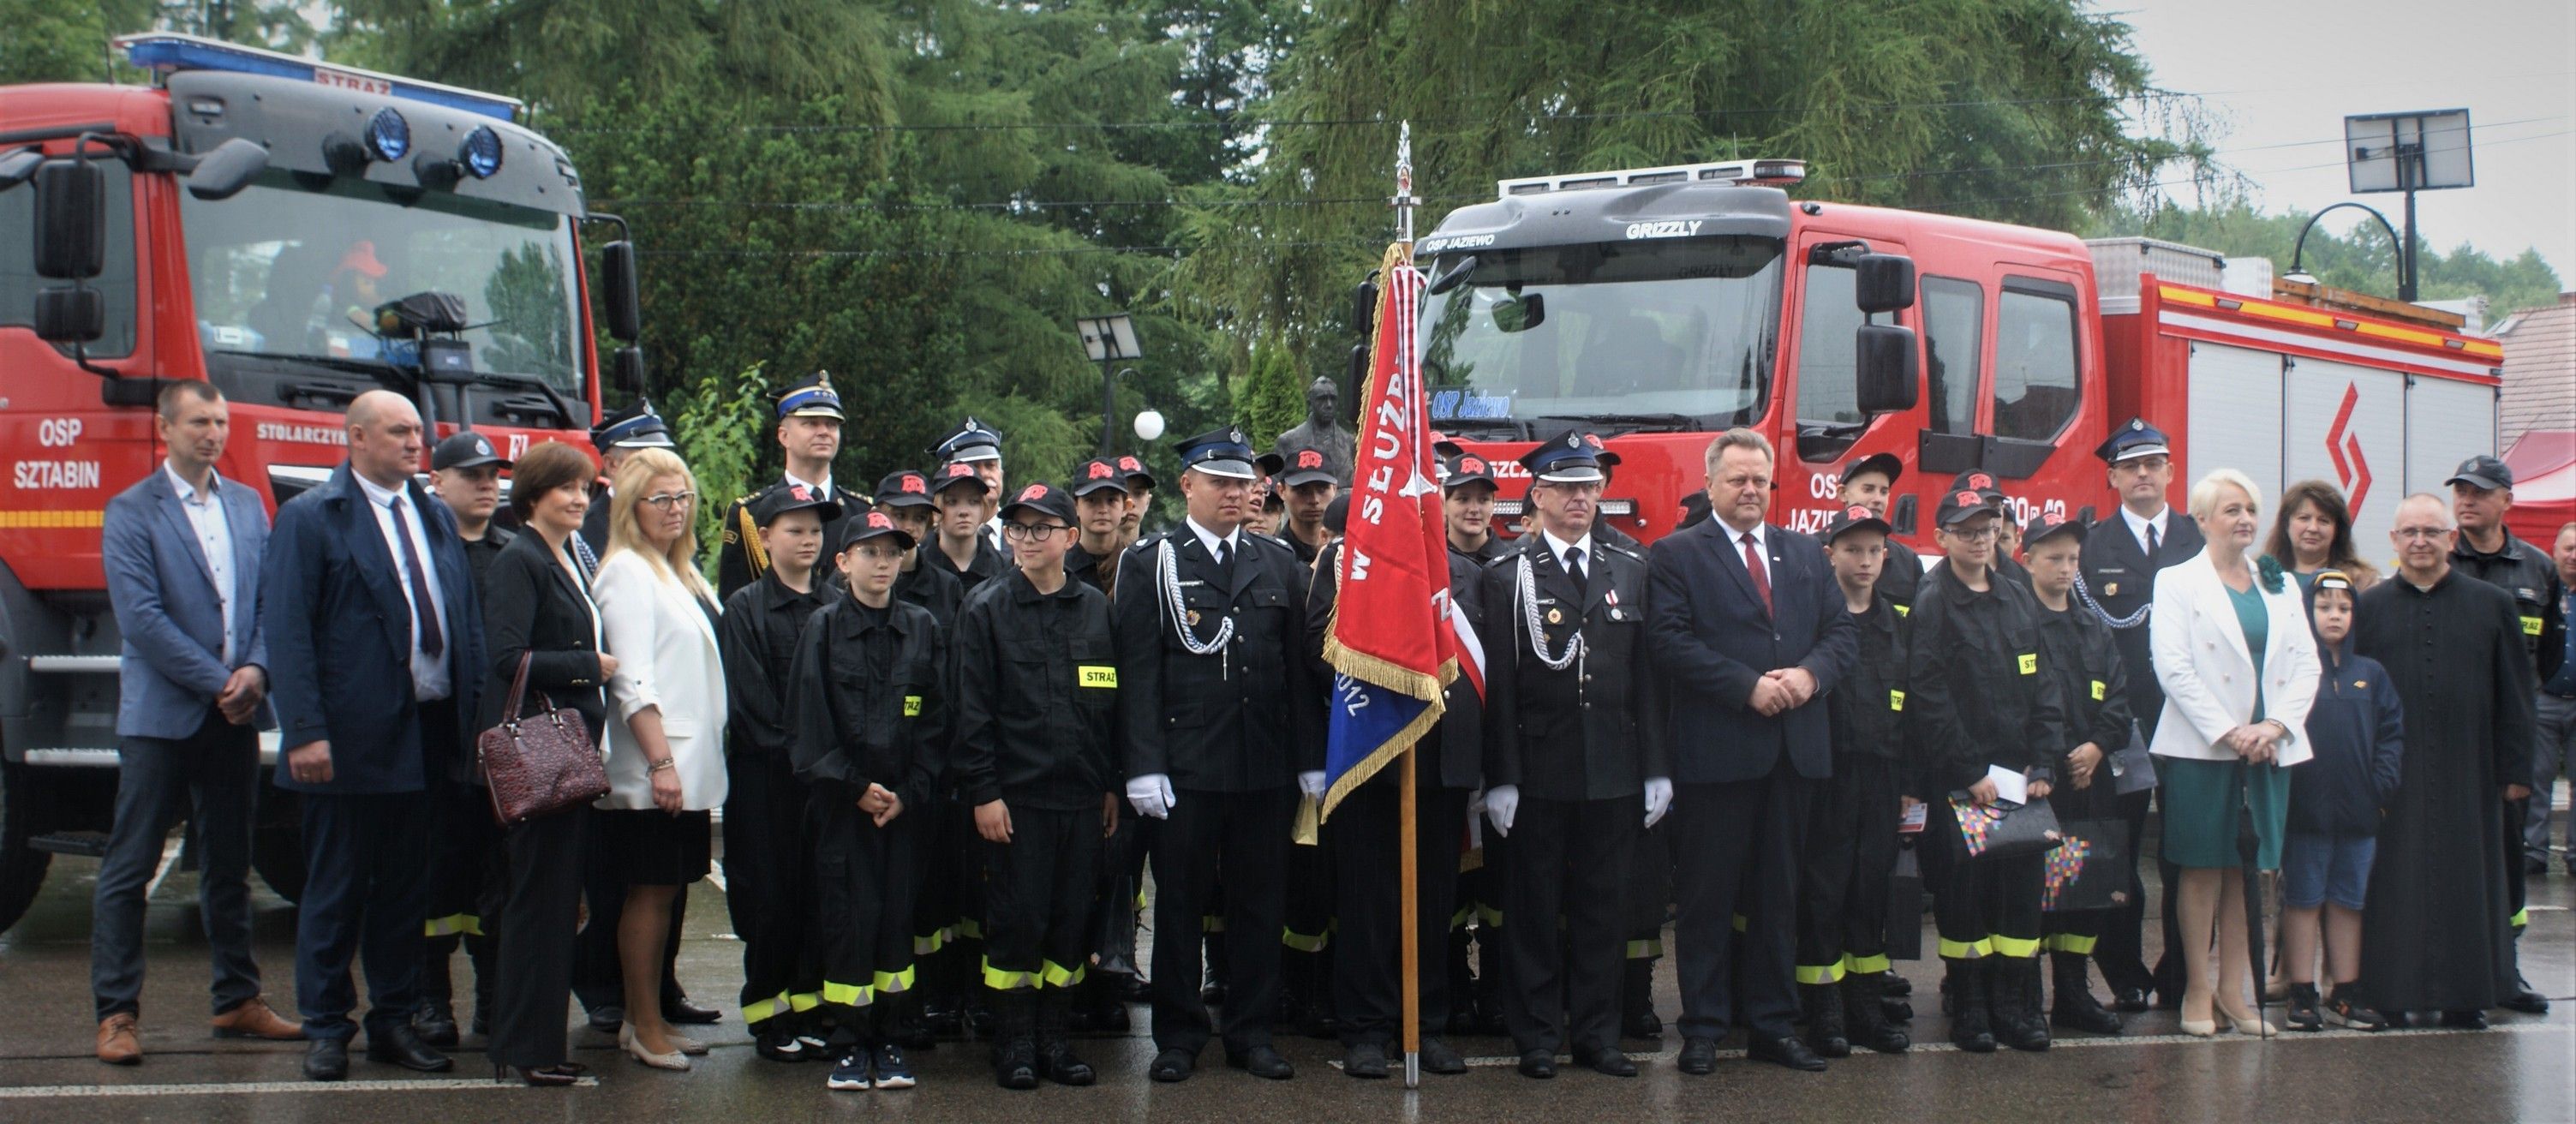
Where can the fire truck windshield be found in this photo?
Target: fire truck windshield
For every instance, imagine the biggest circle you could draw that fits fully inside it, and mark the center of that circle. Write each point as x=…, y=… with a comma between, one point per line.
x=287, y=273
x=1675, y=334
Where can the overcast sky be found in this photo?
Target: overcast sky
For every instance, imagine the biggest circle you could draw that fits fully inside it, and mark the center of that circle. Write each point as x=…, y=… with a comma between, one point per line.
x=2285, y=73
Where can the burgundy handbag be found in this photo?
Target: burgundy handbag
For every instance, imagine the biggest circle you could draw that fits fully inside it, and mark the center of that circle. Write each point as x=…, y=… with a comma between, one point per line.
x=541, y=763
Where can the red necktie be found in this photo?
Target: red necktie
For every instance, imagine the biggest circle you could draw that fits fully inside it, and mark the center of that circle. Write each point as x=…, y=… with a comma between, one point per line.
x=1753, y=566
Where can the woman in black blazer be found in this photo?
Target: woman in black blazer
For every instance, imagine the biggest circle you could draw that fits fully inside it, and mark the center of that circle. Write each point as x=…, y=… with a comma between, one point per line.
x=537, y=603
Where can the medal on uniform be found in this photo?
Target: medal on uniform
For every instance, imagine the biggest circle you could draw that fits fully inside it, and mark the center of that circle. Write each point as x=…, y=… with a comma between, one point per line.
x=1556, y=616
x=1193, y=618
x=2111, y=590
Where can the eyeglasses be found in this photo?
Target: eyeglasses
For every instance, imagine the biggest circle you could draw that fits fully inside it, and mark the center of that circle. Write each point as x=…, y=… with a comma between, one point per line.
x=665, y=501
x=2422, y=532
x=1981, y=534
x=1031, y=532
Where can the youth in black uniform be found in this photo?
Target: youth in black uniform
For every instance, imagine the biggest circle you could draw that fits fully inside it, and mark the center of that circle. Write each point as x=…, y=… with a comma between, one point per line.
x=1978, y=698
x=1870, y=482
x=1221, y=729
x=958, y=492
x=1037, y=694
x=1851, y=831
x=1571, y=746
x=870, y=717
x=1476, y=1003
x=769, y=882
x=1101, y=497
x=2076, y=650
x=465, y=863
x=904, y=496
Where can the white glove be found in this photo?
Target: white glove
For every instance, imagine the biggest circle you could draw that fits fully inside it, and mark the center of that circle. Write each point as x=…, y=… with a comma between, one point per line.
x=1659, y=798
x=1311, y=782
x=1151, y=795
x=1501, y=801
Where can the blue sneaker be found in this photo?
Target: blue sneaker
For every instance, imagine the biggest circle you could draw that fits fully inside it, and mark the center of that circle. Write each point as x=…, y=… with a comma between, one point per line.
x=851, y=1073
x=892, y=1072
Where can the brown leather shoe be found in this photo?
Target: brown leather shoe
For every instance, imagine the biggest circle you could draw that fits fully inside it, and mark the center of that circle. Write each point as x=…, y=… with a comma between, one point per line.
x=253, y=1019
x=117, y=1044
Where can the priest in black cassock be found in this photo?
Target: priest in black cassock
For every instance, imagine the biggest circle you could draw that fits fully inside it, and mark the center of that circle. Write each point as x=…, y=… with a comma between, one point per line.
x=2437, y=935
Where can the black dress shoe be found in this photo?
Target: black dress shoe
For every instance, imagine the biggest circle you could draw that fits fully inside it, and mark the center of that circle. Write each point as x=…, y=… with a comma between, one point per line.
x=1786, y=1051
x=2523, y=1000
x=402, y=1046
x=1608, y=1063
x=2129, y=999
x=1262, y=1061
x=678, y=1010
x=1699, y=1056
x=2465, y=1020
x=1538, y=1064
x=436, y=1023
x=1365, y=1060
x=327, y=1059
x=1172, y=1065
x=606, y=1019
x=1437, y=1057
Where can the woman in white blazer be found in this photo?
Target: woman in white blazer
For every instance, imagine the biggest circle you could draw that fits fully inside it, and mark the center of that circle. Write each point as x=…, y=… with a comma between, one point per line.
x=666, y=732
x=2232, y=649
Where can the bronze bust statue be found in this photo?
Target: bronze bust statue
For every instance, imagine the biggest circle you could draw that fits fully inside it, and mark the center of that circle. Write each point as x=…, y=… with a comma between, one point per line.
x=1322, y=431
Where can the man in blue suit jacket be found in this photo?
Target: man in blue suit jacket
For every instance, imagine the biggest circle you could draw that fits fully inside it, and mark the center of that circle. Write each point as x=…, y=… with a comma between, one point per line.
x=376, y=648
x=182, y=553
x=1749, y=628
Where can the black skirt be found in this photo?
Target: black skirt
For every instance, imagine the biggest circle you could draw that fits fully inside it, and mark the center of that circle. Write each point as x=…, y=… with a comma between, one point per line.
x=651, y=847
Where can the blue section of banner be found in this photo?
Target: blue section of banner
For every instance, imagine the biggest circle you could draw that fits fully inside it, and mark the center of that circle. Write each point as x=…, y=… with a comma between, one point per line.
x=1365, y=717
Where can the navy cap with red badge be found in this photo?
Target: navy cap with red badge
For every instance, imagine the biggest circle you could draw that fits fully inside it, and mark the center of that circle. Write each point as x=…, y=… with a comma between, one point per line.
x=870, y=525
x=1853, y=518
x=1462, y=468
x=1045, y=499
x=957, y=474
x=769, y=505
x=1885, y=464
x=904, y=487
x=1137, y=475
x=1978, y=480
x=1959, y=505
x=1099, y=474
x=1307, y=467
x=2048, y=525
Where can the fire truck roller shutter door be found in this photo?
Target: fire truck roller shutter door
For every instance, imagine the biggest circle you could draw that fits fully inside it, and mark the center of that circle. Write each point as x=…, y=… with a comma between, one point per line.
x=2447, y=422
x=2347, y=427
x=2235, y=416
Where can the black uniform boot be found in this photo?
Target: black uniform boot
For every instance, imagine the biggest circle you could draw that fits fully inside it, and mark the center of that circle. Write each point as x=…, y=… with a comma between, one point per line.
x=1015, y=1048
x=2073, y=1006
x=1966, y=987
x=1823, y=1004
x=435, y=1018
x=1637, y=1018
x=1864, y=1021
x=1055, y=1053
x=2012, y=1001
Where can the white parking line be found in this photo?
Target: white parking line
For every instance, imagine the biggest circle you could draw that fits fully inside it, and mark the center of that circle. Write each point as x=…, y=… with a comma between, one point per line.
x=206, y=1089
x=2130, y=1040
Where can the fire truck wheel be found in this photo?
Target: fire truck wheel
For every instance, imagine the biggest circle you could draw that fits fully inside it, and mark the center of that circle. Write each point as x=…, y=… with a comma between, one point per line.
x=277, y=841
x=22, y=867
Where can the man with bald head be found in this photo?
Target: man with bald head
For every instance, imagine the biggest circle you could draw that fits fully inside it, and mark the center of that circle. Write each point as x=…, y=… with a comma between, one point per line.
x=375, y=651
x=2439, y=926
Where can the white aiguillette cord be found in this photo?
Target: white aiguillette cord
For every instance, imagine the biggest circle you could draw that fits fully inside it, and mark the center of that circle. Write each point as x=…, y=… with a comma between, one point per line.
x=1168, y=571
x=1575, y=649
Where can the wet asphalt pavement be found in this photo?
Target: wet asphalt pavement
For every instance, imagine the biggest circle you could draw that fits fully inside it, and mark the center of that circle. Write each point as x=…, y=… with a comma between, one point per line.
x=2523, y=1069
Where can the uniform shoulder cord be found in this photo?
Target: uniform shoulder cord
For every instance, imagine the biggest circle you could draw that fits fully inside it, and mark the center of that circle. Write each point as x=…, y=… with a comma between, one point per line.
x=1168, y=571
x=1527, y=592
x=2084, y=593
x=752, y=549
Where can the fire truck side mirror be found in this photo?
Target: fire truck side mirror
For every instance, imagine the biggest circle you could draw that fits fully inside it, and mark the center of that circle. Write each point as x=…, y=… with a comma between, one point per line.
x=626, y=370
x=1885, y=378
x=624, y=305
x=70, y=314
x=222, y=173
x=1883, y=282
x=71, y=220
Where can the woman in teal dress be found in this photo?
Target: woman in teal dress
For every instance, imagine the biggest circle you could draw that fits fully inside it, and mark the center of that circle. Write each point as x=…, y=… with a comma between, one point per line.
x=2231, y=648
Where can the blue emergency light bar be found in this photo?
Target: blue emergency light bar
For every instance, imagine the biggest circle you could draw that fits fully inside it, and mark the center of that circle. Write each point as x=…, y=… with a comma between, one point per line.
x=167, y=51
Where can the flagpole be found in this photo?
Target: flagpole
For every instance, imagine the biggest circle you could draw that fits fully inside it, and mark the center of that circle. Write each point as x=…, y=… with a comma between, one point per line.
x=1409, y=877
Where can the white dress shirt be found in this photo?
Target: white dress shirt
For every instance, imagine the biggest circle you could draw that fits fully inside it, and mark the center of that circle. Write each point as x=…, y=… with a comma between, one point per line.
x=2138, y=528
x=214, y=530
x=1558, y=547
x=1209, y=539
x=429, y=679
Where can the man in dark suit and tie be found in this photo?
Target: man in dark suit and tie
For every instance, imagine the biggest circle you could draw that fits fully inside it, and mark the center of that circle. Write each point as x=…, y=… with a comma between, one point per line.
x=2121, y=556
x=1749, y=630
x=182, y=551
x=375, y=654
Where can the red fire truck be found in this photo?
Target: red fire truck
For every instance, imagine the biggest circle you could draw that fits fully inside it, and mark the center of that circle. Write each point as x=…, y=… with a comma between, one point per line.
x=297, y=234
x=1659, y=306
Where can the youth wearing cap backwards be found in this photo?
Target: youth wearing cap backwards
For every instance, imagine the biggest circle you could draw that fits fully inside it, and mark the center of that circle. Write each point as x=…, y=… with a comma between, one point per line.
x=809, y=432
x=1221, y=723
x=1870, y=482
x=2123, y=552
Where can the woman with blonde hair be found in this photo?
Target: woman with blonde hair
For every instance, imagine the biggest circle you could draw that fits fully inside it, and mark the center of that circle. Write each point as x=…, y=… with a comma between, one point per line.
x=2239, y=666
x=666, y=734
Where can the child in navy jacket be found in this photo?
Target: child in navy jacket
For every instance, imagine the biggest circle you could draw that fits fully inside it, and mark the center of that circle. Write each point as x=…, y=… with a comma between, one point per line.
x=2357, y=730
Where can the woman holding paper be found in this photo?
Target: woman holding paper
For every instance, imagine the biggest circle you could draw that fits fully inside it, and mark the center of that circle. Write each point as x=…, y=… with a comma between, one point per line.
x=2238, y=665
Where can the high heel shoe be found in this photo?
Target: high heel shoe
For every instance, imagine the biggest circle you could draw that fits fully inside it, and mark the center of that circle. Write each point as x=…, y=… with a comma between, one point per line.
x=555, y=1076
x=635, y=1048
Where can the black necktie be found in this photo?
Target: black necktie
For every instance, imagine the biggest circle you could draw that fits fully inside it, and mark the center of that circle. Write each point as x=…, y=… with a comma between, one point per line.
x=1225, y=559
x=1574, y=567
x=423, y=610
x=2155, y=542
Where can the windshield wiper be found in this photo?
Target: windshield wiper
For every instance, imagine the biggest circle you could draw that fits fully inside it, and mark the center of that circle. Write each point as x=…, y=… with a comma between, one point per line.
x=554, y=398
x=1644, y=421
x=384, y=372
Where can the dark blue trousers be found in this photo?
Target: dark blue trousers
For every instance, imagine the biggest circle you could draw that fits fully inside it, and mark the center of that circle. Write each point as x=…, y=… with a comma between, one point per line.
x=366, y=892
x=211, y=779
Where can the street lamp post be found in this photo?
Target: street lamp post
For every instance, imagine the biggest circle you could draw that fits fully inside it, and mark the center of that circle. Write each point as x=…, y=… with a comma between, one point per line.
x=1108, y=340
x=2405, y=253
